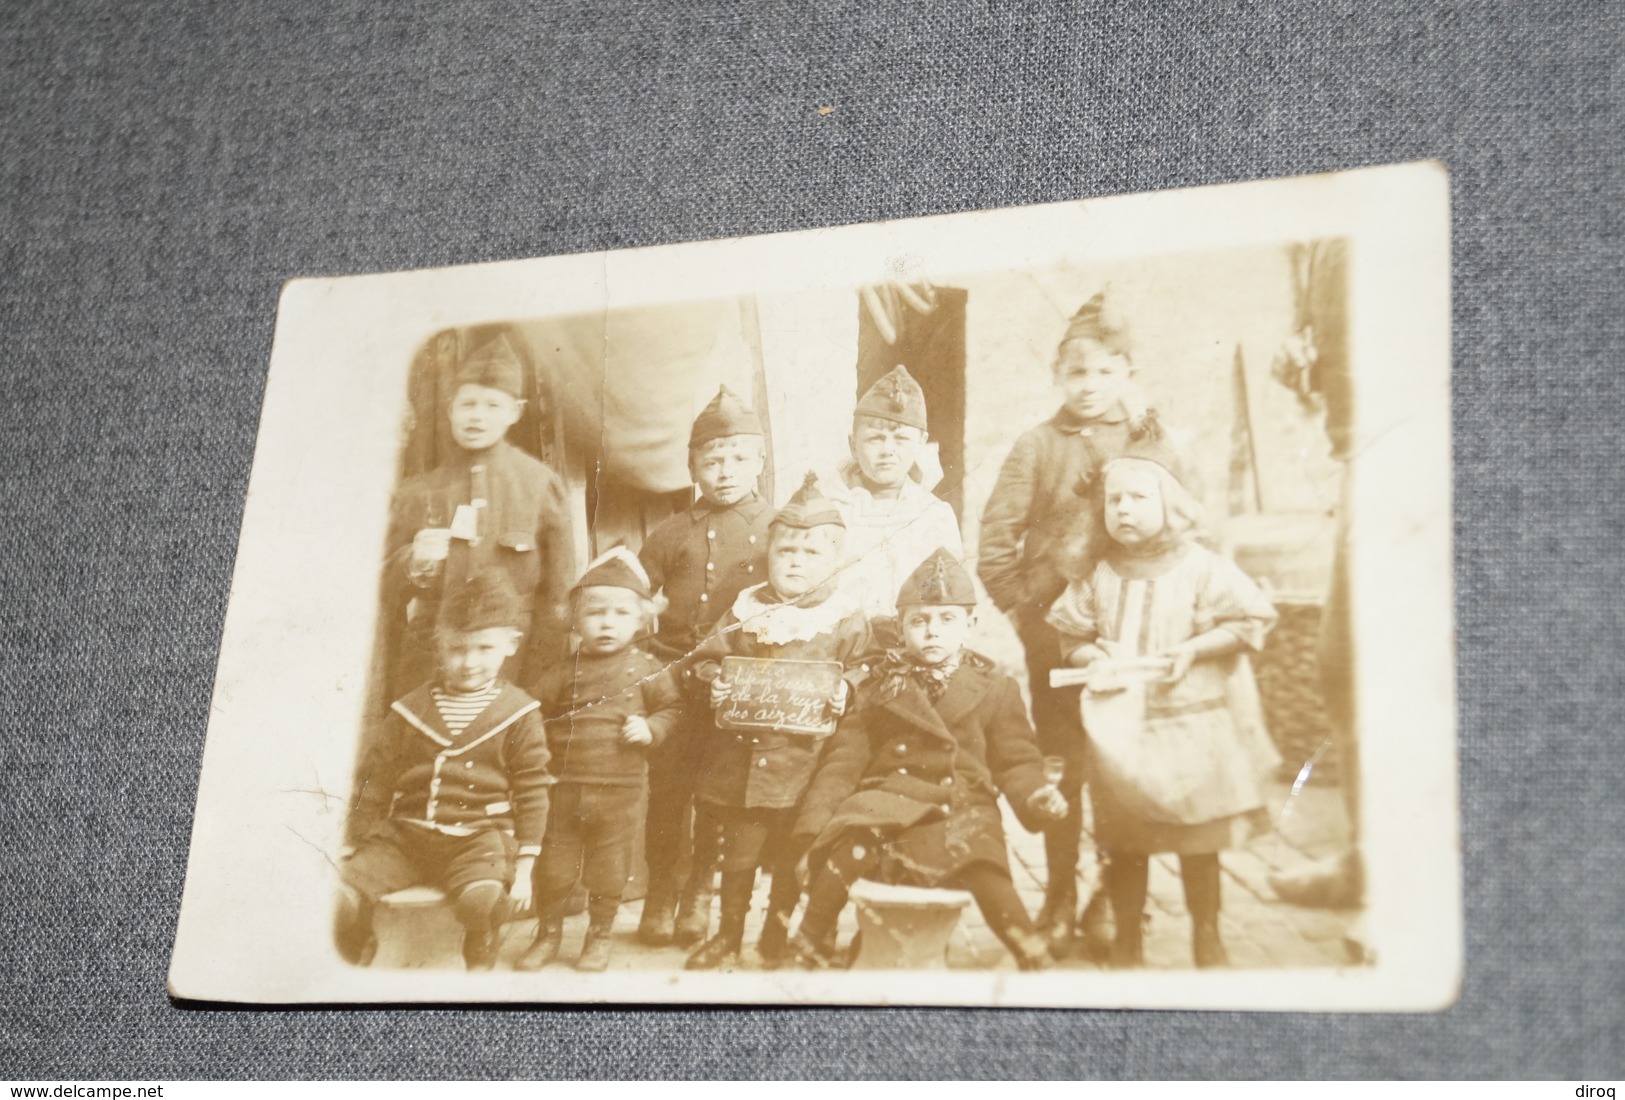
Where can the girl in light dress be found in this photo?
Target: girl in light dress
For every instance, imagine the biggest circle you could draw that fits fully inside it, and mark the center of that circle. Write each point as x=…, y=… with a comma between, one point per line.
x=1162, y=627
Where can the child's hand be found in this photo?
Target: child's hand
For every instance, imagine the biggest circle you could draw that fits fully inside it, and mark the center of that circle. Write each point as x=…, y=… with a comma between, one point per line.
x=519, y=892
x=843, y=695
x=1048, y=802
x=1181, y=655
x=719, y=691
x=430, y=547
x=1086, y=655
x=635, y=730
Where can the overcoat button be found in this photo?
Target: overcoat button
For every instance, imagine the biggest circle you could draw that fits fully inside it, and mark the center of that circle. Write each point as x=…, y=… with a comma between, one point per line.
x=710, y=534
x=902, y=771
x=949, y=782
x=901, y=748
x=710, y=566
x=762, y=763
x=704, y=597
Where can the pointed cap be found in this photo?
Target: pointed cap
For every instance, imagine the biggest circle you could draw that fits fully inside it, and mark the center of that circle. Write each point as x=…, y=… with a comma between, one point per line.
x=493, y=364
x=616, y=568
x=895, y=396
x=940, y=579
x=487, y=600
x=727, y=414
x=809, y=507
x=1099, y=321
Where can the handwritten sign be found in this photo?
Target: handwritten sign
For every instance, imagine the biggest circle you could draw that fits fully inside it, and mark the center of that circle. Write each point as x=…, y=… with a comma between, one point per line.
x=779, y=695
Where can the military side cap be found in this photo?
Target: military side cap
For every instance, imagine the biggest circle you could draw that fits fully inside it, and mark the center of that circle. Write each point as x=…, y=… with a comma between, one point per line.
x=895, y=396
x=1099, y=322
x=616, y=568
x=940, y=579
x=809, y=507
x=493, y=364
x=727, y=414
x=486, y=601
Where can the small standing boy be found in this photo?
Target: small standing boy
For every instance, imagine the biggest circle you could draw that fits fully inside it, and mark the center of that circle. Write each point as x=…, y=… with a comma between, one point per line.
x=488, y=506
x=604, y=711
x=893, y=520
x=908, y=791
x=454, y=791
x=1041, y=526
x=699, y=560
x=752, y=782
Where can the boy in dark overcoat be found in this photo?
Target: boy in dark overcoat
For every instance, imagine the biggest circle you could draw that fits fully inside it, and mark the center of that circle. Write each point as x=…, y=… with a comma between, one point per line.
x=454, y=791
x=699, y=560
x=1040, y=529
x=488, y=506
x=908, y=790
x=752, y=781
x=605, y=710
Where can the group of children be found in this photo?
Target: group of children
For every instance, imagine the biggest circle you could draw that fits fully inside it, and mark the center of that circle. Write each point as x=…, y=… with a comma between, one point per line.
x=503, y=796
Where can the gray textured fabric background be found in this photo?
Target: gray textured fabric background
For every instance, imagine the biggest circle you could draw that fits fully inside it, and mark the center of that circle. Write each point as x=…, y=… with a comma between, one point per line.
x=163, y=168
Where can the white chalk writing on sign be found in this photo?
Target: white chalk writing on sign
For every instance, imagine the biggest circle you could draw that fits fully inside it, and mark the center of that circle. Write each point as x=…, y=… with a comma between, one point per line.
x=765, y=693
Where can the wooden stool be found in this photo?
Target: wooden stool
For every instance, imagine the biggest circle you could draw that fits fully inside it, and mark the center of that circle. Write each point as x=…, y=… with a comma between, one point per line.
x=416, y=928
x=904, y=927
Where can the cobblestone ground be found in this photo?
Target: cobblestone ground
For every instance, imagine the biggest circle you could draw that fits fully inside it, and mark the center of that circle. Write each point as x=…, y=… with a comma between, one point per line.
x=1259, y=930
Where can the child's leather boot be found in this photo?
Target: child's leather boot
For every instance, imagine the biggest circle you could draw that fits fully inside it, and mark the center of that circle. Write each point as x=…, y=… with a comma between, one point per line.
x=545, y=947
x=596, y=947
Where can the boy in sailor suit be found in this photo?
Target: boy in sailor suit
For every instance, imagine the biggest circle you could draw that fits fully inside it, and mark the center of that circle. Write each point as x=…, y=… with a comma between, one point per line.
x=454, y=792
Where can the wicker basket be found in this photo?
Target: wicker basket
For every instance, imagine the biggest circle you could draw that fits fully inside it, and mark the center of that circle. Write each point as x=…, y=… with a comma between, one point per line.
x=1290, y=556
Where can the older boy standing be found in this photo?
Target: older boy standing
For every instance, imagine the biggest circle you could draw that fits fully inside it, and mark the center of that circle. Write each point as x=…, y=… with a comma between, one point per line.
x=701, y=559
x=1042, y=522
x=488, y=506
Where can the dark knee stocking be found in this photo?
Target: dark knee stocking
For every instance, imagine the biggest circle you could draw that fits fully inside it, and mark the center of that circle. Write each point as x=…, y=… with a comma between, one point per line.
x=737, y=887
x=1127, y=874
x=1200, y=874
x=999, y=902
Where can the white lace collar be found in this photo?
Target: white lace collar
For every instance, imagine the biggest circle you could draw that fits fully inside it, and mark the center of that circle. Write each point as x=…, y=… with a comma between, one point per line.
x=772, y=622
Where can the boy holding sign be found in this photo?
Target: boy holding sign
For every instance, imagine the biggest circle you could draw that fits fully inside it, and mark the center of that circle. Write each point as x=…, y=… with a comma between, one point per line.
x=808, y=641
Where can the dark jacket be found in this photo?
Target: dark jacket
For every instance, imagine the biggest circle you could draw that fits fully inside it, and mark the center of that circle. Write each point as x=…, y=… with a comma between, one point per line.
x=524, y=530
x=769, y=769
x=927, y=776
x=703, y=558
x=492, y=775
x=1045, y=506
x=586, y=698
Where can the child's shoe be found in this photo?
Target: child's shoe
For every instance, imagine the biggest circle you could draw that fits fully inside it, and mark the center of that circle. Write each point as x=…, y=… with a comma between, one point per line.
x=694, y=914
x=1208, y=947
x=480, y=944
x=1094, y=928
x=1031, y=952
x=773, y=947
x=720, y=952
x=545, y=947
x=1054, y=921
x=658, y=924
x=805, y=953
x=595, y=948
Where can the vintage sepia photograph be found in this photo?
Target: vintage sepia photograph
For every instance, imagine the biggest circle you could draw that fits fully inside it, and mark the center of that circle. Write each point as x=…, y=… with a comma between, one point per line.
x=1048, y=606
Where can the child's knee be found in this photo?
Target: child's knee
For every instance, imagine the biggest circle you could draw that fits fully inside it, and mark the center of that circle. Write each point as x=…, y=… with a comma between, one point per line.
x=476, y=901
